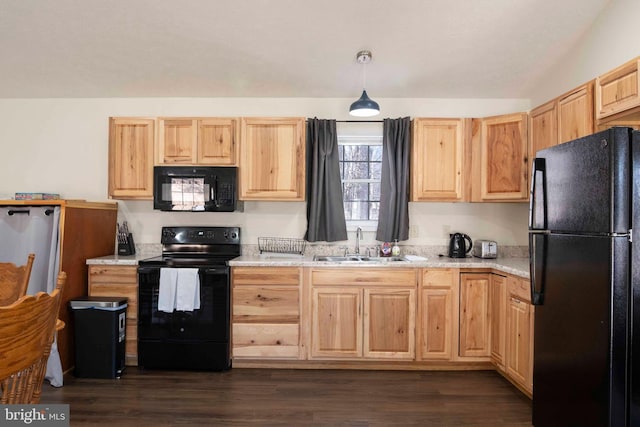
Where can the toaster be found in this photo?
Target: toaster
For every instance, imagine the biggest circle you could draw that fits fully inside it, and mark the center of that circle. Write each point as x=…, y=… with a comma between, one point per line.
x=485, y=249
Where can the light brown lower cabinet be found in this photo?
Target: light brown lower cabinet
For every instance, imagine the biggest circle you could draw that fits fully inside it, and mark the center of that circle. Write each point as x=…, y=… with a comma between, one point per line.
x=498, y=319
x=120, y=281
x=437, y=310
x=266, y=312
x=519, y=334
x=357, y=313
x=475, y=330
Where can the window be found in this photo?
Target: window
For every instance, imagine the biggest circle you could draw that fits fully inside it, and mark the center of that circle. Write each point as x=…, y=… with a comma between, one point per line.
x=360, y=170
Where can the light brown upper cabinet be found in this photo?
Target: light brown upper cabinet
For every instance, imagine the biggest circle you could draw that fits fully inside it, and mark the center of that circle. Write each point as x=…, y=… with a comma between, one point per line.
x=197, y=141
x=543, y=129
x=131, y=158
x=272, y=159
x=617, y=91
x=575, y=113
x=438, y=159
x=503, y=158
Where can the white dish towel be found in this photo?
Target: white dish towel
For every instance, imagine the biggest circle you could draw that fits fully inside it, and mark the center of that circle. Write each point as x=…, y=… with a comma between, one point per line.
x=188, y=289
x=167, y=290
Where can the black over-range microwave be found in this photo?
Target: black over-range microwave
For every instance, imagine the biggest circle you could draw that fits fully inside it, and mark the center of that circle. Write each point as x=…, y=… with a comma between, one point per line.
x=195, y=188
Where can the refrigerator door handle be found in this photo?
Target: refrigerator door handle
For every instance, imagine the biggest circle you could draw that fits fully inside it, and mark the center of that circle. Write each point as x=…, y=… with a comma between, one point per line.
x=539, y=165
x=537, y=267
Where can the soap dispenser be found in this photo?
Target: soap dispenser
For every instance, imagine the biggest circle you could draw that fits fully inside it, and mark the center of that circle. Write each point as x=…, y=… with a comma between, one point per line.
x=395, y=250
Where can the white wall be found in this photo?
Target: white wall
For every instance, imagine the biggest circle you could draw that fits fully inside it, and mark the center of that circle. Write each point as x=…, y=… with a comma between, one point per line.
x=611, y=41
x=60, y=145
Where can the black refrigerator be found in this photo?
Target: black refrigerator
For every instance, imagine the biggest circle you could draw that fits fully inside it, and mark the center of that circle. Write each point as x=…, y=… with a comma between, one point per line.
x=585, y=281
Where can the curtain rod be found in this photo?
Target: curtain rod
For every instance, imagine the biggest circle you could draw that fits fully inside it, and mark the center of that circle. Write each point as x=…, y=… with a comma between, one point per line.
x=358, y=121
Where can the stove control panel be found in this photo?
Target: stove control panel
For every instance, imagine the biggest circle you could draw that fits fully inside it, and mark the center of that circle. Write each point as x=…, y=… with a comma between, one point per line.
x=200, y=235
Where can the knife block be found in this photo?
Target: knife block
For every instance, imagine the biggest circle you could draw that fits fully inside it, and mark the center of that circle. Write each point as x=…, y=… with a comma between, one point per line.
x=128, y=247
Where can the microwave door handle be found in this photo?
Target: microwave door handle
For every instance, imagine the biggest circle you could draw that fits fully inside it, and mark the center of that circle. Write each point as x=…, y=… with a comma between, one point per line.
x=214, y=191
x=215, y=186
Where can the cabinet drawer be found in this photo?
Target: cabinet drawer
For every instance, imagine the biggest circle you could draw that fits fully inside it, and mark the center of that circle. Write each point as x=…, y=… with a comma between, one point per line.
x=520, y=288
x=361, y=276
x=113, y=275
x=266, y=340
x=265, y=276
x=438, y=278
x=277, y=304
x=115, y=290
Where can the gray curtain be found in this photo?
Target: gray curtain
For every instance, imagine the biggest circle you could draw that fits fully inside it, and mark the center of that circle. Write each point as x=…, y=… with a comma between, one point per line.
x=393, y=222
x=35, y=232
x=325, y=210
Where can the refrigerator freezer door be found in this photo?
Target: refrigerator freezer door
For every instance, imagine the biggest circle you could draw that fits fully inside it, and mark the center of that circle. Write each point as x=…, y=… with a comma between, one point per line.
x=580, y=333
x=586, y=184
x=634, y=403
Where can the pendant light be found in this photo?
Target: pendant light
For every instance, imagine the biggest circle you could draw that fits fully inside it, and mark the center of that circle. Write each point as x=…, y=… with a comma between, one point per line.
x=365, y=106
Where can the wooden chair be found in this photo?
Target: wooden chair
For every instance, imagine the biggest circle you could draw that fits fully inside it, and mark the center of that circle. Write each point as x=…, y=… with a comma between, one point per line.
x=27, y=331
x=14, y=280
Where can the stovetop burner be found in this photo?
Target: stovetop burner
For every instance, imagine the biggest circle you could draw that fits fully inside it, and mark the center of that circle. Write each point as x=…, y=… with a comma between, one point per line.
x=197, y=246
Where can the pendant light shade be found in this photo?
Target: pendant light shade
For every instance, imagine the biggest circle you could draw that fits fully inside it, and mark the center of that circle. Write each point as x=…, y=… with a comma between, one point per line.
x=365, y=106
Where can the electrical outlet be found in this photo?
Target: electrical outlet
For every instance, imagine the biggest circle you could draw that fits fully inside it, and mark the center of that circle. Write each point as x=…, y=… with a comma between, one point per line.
x=414, y=231
x=446, y=230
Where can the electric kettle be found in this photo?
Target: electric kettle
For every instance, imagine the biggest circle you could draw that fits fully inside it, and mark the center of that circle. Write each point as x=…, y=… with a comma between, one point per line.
x=458, y=247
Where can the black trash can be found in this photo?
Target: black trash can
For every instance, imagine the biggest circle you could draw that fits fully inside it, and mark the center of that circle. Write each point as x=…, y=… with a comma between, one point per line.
x=100, y=325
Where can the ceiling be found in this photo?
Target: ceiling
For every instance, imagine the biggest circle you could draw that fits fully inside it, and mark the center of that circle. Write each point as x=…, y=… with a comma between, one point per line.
x=285, y=48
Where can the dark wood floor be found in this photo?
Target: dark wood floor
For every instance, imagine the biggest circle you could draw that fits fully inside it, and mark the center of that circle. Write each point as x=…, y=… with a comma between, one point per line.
x=273, y=397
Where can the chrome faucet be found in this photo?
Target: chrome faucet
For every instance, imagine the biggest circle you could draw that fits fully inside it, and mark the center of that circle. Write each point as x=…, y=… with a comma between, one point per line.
x=358, y=237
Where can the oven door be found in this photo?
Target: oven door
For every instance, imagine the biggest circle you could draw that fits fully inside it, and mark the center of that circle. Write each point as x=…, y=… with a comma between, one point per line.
x=211, y=322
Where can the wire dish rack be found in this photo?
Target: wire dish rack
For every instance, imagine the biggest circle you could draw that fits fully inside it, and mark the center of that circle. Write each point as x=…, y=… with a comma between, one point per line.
x=281, y=245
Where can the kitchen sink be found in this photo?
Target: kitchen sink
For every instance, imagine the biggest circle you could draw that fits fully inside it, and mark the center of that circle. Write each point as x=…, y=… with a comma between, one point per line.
x=357, y=259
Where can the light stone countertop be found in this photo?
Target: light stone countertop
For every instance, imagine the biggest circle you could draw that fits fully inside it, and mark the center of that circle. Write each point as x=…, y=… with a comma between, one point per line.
x=119, y=260
x=516, y=266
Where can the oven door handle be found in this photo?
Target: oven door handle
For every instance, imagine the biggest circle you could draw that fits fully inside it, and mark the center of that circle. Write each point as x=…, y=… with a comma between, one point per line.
x=146, y=270
x=219, y=270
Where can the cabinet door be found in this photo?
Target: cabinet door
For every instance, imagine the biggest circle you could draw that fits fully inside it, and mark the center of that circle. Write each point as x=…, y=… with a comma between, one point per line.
x=131, y=158
x=498, y=319
x=437, y=155
x=389, y=323
x=435, y=338
x=618, y=90
x=575, y=113
x=336, y=322
x=518, y=360
x=436, y=310
x=474, y=315
x=272, y=159
x=177, y=141
x=120, y=281
x=503, y=169
x=217, y=141
x=543, y=130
